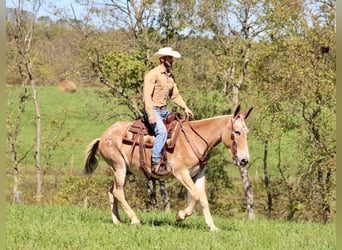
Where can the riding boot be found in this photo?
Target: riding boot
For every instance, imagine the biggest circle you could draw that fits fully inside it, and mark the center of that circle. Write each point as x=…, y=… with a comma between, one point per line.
x=160, y=169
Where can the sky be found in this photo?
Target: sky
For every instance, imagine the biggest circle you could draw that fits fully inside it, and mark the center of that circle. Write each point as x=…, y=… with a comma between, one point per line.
x=47, y=9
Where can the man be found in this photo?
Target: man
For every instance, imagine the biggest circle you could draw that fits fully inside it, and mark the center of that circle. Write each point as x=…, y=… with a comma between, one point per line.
x=159, y=85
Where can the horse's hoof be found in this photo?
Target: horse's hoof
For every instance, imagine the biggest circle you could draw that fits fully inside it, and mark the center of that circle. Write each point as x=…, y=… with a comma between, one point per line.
x=214, y=229
x=180, y=215
x=116, y=221
x=135, y=223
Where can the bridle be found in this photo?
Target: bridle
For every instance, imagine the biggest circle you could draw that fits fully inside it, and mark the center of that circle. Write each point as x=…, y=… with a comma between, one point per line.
x=232, y=137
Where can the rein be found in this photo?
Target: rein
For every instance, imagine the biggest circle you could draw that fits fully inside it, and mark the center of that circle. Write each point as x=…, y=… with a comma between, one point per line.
x=202, y=158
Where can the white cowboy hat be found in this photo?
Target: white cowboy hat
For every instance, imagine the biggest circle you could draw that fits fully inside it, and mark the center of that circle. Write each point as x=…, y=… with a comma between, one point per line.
x=167, y=51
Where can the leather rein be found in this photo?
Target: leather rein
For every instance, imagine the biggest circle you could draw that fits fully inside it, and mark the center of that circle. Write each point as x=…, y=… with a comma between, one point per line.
x=203, y=158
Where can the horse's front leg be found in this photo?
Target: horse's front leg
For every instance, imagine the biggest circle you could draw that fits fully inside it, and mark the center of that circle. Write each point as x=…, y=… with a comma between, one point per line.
x=185, y=179
x=200, y=185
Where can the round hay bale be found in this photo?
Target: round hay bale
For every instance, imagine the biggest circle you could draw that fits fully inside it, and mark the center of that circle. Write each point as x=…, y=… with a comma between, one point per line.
x=67, y=86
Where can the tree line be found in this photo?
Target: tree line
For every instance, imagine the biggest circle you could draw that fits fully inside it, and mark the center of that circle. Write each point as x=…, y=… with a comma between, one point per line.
x=279, y=57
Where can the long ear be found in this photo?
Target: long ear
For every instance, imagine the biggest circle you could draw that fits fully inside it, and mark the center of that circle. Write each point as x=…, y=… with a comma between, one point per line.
x=237, y=111
x=246, y=114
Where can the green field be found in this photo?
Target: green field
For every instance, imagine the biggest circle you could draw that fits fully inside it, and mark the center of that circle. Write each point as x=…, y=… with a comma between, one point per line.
x=38, y=227
x=69, y=122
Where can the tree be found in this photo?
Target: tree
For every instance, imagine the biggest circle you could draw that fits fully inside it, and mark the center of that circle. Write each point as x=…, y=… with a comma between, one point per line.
x=300, y=95
x=235, y=39
x=126, y=72
x=22, y=30
x=318, y=110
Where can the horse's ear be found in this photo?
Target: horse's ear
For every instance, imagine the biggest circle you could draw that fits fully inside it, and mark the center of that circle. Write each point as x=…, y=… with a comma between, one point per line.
x=237, y=111
x=246, y=114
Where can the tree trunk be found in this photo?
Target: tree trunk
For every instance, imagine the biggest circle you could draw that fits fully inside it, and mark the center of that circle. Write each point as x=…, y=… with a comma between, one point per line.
x=38, y=136
x=244, y=170
x=24, y=35
x=164, y=195
x=324, y=184
x=267, y=182
x=16, y=192
x=248, y=192
x=235, y=94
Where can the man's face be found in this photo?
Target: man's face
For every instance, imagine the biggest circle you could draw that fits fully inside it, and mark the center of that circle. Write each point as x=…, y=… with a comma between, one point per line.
x=168, y=61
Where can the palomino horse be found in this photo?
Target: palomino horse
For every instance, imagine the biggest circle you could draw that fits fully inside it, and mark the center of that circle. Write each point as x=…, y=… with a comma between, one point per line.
x=187, y=159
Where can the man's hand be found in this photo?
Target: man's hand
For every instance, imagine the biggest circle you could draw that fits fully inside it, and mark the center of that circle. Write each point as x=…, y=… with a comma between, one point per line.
x=189, y=113
x=152, y=120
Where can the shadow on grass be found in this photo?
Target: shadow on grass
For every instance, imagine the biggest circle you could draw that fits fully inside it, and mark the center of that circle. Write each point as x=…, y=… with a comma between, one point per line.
x=194, y=222
x=187, y=224
x=191, y=223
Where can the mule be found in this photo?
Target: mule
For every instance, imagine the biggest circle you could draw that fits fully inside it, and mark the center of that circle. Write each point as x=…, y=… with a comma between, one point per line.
x=188, y=159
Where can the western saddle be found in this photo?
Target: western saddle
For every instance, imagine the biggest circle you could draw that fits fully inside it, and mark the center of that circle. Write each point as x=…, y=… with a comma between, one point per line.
x=140, y=128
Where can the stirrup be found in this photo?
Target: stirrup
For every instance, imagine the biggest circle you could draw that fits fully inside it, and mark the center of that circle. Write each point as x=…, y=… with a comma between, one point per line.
x=160, y=169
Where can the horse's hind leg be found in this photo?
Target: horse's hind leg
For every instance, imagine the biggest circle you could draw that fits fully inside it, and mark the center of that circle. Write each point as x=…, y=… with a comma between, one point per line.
x=118, y=196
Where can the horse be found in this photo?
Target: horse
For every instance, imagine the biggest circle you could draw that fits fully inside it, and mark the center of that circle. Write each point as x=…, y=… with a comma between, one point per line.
x=188, y=159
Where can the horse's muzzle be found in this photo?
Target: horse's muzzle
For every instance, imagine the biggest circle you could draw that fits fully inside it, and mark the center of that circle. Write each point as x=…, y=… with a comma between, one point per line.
x=243, y=161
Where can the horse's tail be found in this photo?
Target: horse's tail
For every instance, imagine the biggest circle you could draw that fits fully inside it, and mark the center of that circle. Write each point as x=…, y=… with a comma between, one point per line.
x=91, y=161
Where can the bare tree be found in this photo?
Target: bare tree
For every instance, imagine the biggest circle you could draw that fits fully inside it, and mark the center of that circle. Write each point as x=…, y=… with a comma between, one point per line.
x=23, y=29
x=13, y=131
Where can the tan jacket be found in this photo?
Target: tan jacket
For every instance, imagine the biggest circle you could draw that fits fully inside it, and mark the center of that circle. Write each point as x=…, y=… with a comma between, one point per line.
x=158, y=86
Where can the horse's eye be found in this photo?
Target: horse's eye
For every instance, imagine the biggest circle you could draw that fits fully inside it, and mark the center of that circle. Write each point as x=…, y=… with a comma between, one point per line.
x=237, y=132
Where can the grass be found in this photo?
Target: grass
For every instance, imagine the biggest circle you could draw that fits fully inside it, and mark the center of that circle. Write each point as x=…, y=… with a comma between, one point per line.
x=45, y=227
x=70, y=121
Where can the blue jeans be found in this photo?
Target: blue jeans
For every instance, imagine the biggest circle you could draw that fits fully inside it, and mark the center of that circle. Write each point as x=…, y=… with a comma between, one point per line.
x=161, y=133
